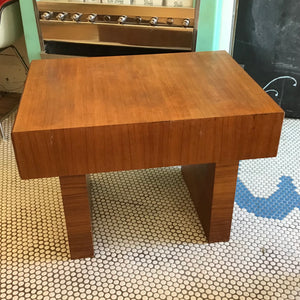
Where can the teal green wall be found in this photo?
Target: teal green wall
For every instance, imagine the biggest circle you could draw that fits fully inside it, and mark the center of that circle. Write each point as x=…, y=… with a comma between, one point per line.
x=208, y=35
x=209, y=25
x=30, y=30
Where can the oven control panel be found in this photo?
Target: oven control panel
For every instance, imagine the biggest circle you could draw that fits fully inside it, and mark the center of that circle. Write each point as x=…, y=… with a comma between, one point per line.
x=140, y=26
x=79, y=17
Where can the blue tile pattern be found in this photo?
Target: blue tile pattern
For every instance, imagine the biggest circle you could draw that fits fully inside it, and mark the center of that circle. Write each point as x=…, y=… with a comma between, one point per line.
x=277, y=206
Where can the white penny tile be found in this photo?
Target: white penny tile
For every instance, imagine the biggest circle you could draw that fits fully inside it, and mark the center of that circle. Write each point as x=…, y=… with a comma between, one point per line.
x=149, y=243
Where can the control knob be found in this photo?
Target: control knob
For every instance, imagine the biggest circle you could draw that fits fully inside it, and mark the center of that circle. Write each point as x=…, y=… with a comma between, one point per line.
x=122, y=19
x=186, y=22
x=154, y=21
x=47, y=15
x=62, y=16
x=139, y=19
x=76, y=17
x=92, y=18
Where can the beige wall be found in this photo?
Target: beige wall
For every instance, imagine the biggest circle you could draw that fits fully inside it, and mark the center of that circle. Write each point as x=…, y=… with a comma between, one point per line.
x=12, y=72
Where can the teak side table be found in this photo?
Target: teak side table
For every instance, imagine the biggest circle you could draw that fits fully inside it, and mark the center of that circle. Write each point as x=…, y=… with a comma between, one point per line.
x=198, y=110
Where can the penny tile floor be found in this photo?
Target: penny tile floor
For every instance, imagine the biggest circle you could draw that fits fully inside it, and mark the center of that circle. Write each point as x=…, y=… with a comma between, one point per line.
x=148, y=241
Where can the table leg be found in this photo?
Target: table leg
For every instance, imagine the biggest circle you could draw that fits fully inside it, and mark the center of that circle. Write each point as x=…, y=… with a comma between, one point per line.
x=212, y=188
x=77, y=213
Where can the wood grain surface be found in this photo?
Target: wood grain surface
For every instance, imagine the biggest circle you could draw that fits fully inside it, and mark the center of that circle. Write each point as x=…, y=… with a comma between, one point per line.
x=212, y=189
x=85, y=115
x=77, y=213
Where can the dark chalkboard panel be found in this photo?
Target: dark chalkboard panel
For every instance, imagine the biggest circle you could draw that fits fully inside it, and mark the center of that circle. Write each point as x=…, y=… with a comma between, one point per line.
x=267, y=43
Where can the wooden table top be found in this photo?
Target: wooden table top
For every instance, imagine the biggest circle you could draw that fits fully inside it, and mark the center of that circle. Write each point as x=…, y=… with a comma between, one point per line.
x=100, y=91
x=87, y=115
